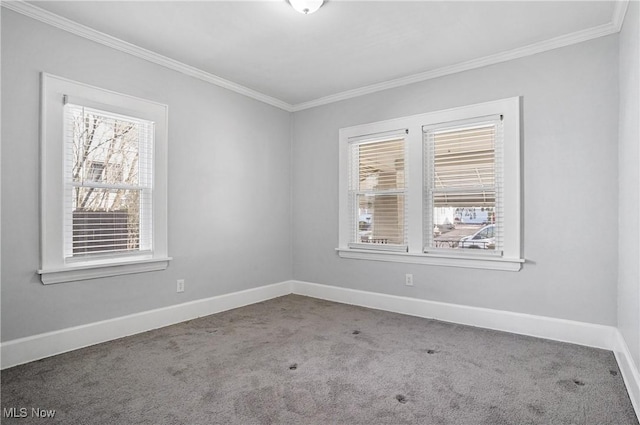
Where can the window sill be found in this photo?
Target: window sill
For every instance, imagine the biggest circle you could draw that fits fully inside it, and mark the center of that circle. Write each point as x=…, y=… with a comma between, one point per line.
x=486, y=263
x=94, y=271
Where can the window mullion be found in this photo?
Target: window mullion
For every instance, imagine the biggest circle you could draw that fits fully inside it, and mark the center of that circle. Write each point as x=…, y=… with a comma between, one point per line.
x=414, y=191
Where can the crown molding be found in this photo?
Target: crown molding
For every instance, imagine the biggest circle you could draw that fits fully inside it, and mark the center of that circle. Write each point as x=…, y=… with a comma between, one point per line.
x=614, y=26
x=619, y=12
x=529, y=50
x=73, y=27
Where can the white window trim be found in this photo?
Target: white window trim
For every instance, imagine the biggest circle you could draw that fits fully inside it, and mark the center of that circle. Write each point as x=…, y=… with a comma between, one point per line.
x=53, y=267
x=511, y=258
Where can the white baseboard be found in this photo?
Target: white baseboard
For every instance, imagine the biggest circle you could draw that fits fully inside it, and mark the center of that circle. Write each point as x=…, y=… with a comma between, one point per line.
x=629, y=371
x=24, y=350
x=592, y=335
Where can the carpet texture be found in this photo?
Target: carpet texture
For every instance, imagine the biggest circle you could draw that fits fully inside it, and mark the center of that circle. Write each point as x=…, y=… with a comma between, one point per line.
x=299, y=360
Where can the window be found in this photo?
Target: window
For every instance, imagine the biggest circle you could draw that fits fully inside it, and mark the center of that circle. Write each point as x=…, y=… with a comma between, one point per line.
x=103, y=183
x=109, y=178
x=461, y=184
x=440, y=188
x=377, y=192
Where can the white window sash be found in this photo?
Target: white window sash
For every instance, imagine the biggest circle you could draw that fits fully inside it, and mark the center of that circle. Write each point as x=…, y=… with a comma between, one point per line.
x=355, y=192
x=431, y=190
x=108, y=244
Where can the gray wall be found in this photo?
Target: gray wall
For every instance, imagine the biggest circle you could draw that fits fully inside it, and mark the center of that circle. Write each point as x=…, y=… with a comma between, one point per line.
x=229, y=185
x=629, y=234
x=570, y=187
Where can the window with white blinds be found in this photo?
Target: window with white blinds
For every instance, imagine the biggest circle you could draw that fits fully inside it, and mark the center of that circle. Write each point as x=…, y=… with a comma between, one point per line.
x=462, y=207
x=109, y=183
x=103, y=207
x=377, y=192
x=463, y=181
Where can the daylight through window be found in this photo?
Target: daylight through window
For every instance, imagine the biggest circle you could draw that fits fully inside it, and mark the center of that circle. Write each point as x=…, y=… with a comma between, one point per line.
x=108, y=173
x=378, y=192
x=462, y=180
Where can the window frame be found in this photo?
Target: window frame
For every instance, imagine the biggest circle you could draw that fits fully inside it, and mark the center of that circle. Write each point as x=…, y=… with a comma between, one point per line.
x=54, y=268
x=511, y=258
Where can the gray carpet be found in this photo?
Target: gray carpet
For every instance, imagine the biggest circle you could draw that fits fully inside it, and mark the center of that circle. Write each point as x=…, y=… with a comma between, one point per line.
x=298, y=360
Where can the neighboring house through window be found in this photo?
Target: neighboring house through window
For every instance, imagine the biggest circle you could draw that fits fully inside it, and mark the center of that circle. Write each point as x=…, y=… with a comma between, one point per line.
x=107, y=151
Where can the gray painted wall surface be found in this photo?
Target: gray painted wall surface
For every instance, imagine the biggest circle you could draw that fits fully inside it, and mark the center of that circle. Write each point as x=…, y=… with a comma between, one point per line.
x=629, y=180
x=229, y=185
x=570, y=187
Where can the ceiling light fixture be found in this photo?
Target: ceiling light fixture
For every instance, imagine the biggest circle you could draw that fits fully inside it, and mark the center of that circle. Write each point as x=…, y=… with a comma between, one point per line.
x=306, y=6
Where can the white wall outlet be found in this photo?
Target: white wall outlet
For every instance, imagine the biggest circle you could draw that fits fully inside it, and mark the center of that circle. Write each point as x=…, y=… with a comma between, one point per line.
x=408, y=279
x=180, y=286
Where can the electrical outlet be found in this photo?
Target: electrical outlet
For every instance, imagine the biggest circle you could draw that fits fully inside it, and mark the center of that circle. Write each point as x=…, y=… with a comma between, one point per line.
x=180, y=286
x=408, y=279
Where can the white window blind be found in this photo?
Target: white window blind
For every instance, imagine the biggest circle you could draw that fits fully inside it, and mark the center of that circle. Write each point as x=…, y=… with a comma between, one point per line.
x=108, y=172
x=377, y=191
x=464, y=187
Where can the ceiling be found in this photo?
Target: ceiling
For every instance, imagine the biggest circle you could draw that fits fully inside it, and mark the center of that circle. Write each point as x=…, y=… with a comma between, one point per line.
x=271, y=52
